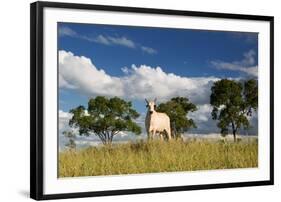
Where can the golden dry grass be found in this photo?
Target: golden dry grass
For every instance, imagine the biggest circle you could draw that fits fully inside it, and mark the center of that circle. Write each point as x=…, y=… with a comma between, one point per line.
x=157, y=156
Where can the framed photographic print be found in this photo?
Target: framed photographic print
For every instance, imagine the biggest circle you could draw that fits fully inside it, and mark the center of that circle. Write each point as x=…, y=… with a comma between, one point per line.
x=135, y=100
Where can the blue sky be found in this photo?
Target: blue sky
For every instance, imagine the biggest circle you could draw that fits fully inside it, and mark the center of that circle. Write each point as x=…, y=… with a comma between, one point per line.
x=142, y=62
x=181, y=51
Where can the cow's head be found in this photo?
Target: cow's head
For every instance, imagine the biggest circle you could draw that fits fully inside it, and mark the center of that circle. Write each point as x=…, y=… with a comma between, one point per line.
x=151, y=106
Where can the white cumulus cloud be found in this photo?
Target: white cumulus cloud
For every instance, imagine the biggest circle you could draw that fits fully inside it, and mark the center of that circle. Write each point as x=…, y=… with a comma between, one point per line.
x=138, y=82
x=203, y=120
x=147, y=82
x=64, y=118
x=80, y=73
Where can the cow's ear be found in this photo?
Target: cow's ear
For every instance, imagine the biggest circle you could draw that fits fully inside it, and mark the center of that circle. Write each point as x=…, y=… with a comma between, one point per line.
x=146, y=106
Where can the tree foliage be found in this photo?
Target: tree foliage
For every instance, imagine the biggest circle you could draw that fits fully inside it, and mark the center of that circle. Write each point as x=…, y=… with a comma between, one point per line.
x=233, y=103
x=71, y=139
x=177, y=109
x=105, y=117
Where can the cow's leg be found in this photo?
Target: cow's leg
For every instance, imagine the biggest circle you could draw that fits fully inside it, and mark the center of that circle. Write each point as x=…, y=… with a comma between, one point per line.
x=161, y=136
x=153, y=134
x=168, y=130
x=148, y=135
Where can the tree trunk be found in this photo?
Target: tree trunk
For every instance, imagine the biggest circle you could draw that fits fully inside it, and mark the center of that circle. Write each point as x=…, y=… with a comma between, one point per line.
x=233, y=131
x=108, y=141
x=234, y=135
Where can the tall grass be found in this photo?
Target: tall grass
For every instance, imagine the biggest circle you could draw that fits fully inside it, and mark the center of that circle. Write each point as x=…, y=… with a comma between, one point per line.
x=157, y=156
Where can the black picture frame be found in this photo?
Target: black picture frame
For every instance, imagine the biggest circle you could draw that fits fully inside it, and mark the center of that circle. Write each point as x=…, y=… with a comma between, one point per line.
x=36, y=99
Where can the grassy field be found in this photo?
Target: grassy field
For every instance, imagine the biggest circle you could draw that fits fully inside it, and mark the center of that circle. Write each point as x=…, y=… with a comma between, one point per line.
x=157, y=156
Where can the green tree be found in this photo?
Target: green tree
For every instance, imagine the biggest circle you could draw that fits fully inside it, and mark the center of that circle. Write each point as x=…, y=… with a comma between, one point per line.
x=105, y=118
x=233, y=102
x=71, y=139
x=177, y=109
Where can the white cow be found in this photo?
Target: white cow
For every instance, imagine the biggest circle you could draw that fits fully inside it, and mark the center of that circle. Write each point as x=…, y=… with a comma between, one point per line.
x=156, y=122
